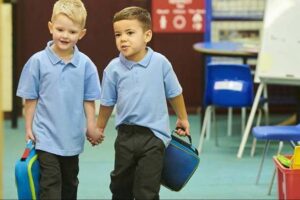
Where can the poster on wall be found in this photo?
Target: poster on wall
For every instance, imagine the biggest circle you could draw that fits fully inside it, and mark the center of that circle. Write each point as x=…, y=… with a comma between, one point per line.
x=178, y=16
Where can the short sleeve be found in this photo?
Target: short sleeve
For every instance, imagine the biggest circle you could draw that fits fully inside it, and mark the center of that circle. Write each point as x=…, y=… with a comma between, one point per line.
x=92, y=88
x=172, y=85
x=109, y=91
x=29, y=82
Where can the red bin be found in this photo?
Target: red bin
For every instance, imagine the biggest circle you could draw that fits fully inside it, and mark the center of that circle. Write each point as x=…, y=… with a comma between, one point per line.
x=288, y=181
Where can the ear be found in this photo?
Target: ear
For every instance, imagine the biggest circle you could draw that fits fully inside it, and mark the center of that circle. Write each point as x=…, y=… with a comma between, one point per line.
x=148, y=36
x=82, y=34
x=50, y=27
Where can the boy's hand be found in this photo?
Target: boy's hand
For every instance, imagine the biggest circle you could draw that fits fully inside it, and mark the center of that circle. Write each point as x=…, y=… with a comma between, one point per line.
x=29, y=136
x=183, y=127
x=95, y=136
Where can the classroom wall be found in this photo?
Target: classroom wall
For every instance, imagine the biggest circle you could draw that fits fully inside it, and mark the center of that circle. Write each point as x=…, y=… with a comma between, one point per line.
x=99, y=42
x=98, y=30
x=6, y=57
x=187, y=62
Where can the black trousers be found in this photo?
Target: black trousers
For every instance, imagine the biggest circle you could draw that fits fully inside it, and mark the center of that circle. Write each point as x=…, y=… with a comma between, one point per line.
x=138, y=164
x=58, y=176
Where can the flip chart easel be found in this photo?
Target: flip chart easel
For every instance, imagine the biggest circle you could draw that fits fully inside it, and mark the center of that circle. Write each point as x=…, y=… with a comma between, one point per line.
x=279, y=57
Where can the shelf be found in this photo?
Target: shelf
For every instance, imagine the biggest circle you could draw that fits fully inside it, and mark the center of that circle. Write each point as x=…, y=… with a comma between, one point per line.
x=237, y=18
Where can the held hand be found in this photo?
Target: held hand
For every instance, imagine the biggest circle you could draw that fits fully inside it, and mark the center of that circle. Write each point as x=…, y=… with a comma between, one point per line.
x=95, y=137
x=183, y=127
x=100, y=134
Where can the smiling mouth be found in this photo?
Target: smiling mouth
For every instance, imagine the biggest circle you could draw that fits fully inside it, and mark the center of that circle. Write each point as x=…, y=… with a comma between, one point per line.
x=64, y=42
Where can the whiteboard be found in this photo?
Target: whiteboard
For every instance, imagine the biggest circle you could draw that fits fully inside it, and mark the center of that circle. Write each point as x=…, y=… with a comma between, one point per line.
x=279, y=54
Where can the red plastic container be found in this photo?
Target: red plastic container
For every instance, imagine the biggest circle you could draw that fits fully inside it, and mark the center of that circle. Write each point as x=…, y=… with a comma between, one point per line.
x=288, y=181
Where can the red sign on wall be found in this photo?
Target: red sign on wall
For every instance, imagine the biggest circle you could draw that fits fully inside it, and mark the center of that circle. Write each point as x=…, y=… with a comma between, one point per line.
x=178, y=16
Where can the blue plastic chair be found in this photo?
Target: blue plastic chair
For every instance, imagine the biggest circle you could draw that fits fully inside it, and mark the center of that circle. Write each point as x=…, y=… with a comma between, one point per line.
x=226, y=86
x=275, y=133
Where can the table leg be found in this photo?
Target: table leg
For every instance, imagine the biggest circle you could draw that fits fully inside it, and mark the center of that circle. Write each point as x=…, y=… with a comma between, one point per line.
x=202, y=109
x=250, y=120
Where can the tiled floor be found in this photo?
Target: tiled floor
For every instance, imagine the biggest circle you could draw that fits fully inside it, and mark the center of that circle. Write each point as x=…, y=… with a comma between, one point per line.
x=220, y=174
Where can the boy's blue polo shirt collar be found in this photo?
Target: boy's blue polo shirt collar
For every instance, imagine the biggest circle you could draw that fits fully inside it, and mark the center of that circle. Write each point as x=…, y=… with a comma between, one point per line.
x=144, y=62
x=55, y=59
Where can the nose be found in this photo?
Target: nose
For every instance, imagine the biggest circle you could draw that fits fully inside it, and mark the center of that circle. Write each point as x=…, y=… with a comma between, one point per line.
x=123, y=37
x=65, y=34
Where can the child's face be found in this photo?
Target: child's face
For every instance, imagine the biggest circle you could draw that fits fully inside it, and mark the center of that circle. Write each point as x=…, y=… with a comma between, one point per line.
x=131, y=39
x=65, y=33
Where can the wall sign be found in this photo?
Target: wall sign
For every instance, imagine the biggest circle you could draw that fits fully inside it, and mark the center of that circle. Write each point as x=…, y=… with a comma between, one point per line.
x=171, y=16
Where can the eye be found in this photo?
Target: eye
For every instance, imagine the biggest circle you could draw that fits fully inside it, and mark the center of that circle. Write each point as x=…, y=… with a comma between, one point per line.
x=59, y=29
x=130, y=32
x=117, y=35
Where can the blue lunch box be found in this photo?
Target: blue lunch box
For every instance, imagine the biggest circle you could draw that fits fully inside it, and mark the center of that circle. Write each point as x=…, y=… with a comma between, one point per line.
x=180, y=162
x=27, y=173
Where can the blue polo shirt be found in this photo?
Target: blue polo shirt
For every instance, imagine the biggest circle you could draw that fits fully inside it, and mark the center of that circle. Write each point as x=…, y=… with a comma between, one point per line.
x=139, y=91
x=61, y=89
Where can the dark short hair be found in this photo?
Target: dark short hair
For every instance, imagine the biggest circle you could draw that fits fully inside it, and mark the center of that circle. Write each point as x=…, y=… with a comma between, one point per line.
x=134, y=12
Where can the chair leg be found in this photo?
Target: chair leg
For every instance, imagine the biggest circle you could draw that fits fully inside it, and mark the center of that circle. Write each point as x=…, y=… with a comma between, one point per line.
x=266, y=105
x=253, y=147
x=209, y=122
x=203, y=128
x=215, y=130
x=262, y=161
x=258, y=120
x=243, y=113
x=229, y=121
x=280, y=146
x=272, y=182
x=266, y=114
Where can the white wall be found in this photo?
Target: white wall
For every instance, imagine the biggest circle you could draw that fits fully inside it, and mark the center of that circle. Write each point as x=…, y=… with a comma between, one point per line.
x=6, y=57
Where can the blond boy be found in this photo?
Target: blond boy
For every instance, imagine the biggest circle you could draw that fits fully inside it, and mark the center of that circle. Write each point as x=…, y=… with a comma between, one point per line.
x=59, y=85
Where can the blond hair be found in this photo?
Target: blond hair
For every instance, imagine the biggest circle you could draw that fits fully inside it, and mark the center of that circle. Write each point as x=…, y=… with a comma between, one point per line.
x=134, y=12
x=74, y=9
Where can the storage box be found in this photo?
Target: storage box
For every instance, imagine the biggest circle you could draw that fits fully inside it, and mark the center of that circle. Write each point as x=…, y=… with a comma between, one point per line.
x=288, y=181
